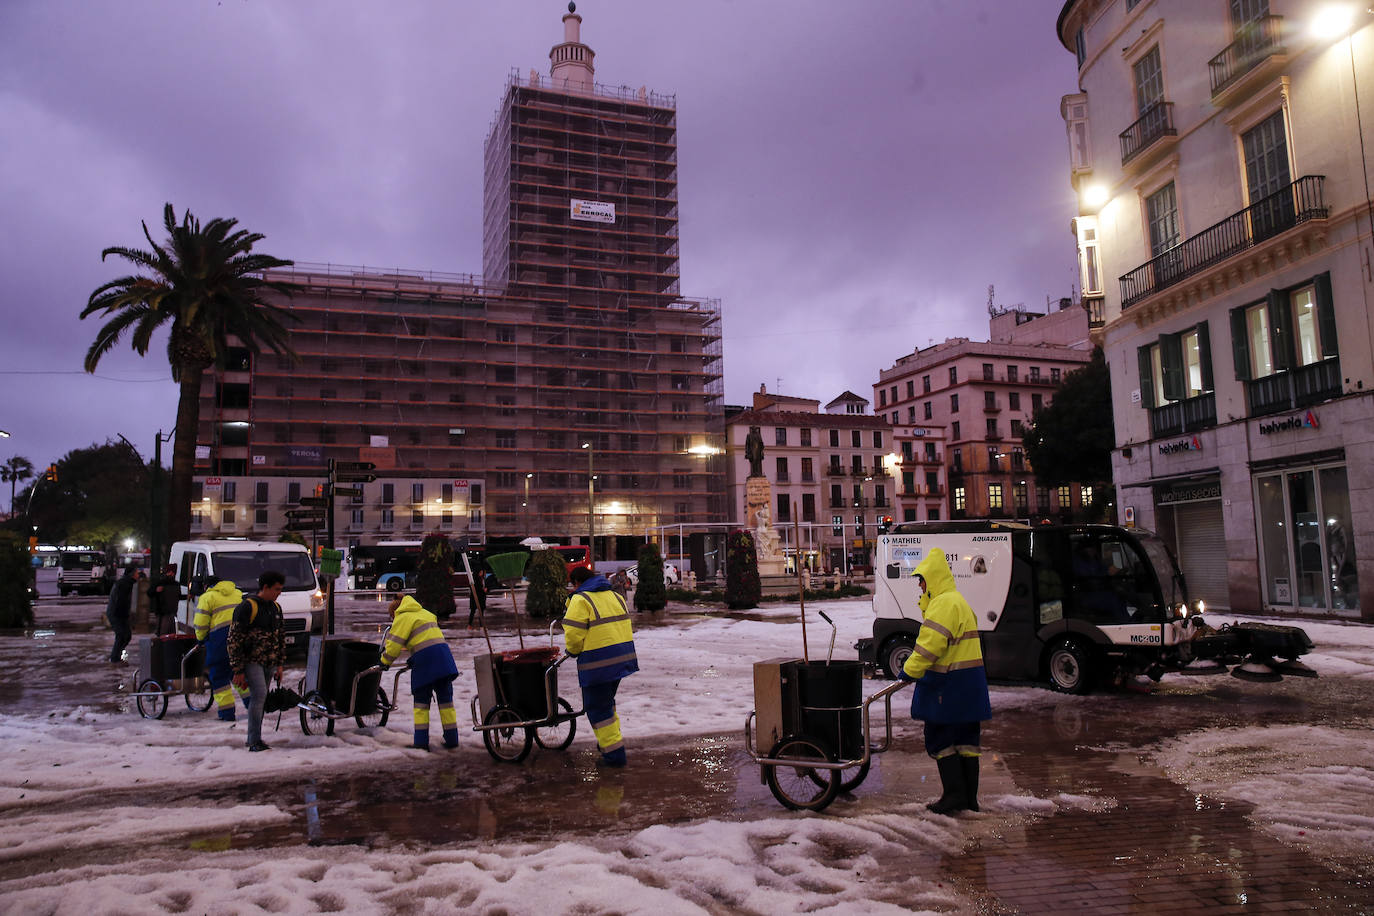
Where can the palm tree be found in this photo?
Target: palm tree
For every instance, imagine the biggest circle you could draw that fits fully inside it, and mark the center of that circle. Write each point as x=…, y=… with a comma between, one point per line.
x=208, y=284
x=14, y=470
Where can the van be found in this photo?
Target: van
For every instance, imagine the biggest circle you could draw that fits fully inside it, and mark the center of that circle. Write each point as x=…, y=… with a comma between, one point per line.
x=200, y=564
x=1065, y=604
x=575, y=556
x=84, y=572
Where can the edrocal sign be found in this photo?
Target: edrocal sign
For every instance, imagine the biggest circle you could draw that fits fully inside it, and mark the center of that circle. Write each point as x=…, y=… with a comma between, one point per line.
x=1290, y=423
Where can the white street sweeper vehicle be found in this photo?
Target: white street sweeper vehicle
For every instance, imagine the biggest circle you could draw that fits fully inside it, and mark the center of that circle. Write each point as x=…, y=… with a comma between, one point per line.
x=1072, y=605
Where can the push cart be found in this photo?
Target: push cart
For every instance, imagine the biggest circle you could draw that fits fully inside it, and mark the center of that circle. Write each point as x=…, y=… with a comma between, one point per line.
x=517, y=702
x=817, y=728
x=167, y=666
x=343, y=680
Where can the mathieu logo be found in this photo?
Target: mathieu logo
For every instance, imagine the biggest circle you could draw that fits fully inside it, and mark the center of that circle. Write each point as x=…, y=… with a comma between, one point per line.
x=1182, y=445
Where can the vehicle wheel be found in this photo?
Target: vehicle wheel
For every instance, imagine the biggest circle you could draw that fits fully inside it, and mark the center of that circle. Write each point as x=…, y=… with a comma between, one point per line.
x=894, y=654
x=153, y=706
x=850, y=777
x=510, y=743
x=395, y=585
x=801, y=787
x=377, y=718
x=557, y=737
x=1069, y=667
x=198, y=696
x=314, y=721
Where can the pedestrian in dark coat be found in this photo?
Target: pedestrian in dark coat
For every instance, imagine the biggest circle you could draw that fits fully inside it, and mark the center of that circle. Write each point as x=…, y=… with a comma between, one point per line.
x=122, y=598
x=165, y=596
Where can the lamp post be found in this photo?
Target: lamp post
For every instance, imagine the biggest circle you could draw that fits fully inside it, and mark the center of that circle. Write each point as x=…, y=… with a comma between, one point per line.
x=526, y=504
x=591, y=503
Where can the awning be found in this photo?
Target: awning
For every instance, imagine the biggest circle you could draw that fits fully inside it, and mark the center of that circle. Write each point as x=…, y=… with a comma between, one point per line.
x=1204, y=474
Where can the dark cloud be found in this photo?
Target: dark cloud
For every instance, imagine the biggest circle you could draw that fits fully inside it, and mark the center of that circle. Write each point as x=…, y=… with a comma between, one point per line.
x=853, y=175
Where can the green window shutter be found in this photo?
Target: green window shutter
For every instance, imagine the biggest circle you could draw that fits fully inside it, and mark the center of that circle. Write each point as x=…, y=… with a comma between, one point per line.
x=1204, y=349
x=1171, y=365
x=1326, y=315
x=1240, y=344
x=1147, y=385
x=1280, y=330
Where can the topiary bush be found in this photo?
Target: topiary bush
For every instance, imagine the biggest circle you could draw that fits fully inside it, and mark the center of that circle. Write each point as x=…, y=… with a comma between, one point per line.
x=742, y=588
x=16, y=571
x=547, y=595
x=650, y=594
x=434, y=579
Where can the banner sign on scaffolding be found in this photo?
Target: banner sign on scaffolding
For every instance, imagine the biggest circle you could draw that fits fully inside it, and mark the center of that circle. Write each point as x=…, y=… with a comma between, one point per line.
x=592, y=211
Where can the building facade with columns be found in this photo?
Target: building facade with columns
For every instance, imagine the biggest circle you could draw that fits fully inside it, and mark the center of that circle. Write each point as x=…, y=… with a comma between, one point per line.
x=1220, y=155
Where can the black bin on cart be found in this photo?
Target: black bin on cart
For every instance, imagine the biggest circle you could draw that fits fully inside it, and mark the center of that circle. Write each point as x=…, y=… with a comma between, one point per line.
x=830, y=701
x=522, y=678
x=172, y=648
x=349, y=658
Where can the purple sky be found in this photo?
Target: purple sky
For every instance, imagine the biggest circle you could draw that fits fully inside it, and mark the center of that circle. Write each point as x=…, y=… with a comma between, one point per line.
x=852, y=175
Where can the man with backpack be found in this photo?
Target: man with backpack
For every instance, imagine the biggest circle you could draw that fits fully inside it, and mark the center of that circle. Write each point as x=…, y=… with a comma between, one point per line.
x=257, y=649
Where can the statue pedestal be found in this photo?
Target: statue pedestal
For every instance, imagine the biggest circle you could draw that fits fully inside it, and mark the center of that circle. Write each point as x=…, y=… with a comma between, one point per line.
x=758, y=502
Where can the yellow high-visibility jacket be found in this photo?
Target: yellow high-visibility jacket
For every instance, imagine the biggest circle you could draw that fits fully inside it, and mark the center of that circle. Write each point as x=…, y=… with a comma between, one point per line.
x=596, y=629
x=215, y=610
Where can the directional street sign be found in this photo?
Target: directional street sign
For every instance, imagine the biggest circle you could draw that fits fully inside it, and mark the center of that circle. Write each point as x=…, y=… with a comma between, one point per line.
x=348, y=491
x=314, y=500
x=304, y=525
x=354, y=466
x=305, y=513
x=354, y=477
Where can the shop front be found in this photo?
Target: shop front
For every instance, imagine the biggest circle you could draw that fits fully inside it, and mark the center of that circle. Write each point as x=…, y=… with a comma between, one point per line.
x=1191, y=519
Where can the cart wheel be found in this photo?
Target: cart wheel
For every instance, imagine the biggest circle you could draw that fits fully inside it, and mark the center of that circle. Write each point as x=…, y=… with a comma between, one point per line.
x=850, y=777
x=558, y=736
x=799, y=787
x=377, y=718
x=313, y=721
x=509, y=743
x=198, y=695
x=153, y=706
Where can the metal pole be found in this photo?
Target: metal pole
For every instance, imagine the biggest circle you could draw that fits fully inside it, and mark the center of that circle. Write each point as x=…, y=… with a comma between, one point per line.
x=329, y=542
x=591, y=505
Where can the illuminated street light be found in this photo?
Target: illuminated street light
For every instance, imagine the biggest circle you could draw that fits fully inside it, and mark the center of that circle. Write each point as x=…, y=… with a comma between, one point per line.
x=591, y=503
x=1095, y=195
x=1333, y=20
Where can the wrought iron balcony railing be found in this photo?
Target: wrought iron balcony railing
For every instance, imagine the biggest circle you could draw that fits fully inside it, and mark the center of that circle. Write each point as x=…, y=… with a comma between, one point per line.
x=1186, y=416
x=1156, y=122
x=1299, y=202
x=1301, y=387
x=1255, y=41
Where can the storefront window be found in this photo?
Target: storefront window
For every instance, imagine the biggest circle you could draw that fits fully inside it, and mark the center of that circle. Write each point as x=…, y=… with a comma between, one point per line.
x=1340, y=540
x=1314, y=565
x=1273, y=541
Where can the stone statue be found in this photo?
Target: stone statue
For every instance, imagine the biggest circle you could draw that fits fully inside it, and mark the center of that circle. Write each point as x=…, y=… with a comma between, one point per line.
x=753, y=450
x=765, y=537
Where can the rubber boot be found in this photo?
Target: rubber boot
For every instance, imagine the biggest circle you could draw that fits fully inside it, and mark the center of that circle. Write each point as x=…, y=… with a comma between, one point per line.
x=952, y=783
x=970, y=766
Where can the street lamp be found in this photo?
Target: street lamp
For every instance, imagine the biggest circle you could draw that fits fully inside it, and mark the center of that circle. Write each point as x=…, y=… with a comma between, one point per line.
x=525, y=504
x=4, y=434
x=591, y=503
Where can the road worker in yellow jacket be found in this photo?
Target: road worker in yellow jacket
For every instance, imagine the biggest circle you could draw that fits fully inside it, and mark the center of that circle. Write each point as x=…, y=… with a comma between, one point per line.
x=432, y=669
x=214, y=612
x=951, y=685
x=596, y=630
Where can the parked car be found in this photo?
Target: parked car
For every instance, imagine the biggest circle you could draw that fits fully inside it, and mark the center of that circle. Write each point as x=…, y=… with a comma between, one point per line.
x=671, y=575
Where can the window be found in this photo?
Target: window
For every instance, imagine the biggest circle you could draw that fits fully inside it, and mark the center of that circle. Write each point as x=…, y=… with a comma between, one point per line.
x=1035, y=373
x=356, y=518
x=909, y=483
x=1085, y=496
x=877, y=438
x=906, y=450
x=908, y=515
x=932, y=481
x=417, y=492
x=925, y=384
x=954, y=403
x=1161, y=211
x=446, y=493
x=259, y=518
x=1037, y=402
x=388, y=494
x=835, y=465
x=879, y=495
x=858, y=526
x=858, y=495
x=910, y=388
x=505, y=438
x=227, y=517
x=959, y=500
x=1149, y=81
x=892, y=393
x=806, y=438
x=446, y=519
x=781, y=470
x=231, y=491
x=504, y=333
x=780, y=435
x=784, y=513
x=260, y=492
x=1080, y=47
x=1063, y=498
x=987, y=372
x=929, y=413
x=837, y=526
x=293, y=493
x=836, y=496
x=388, y=518
x=1011, y=373
x=895, y=420
x=834, y=438
x=1292, y=328
x=930, y=452
x=954, y=429
x=856, y=438
x=1176, y=367
x=954, y=375
x=882, y=397
x=1042, y=498
x=1054, y=376
x=1014, y=400
x=1018, y=498
x=1090, y=264
x=1267, y=178
x=808, y=507
x=992, y=429
x=995, y=497
x=990, y=400
x=933, y=513
x=911, y=413
x=808, y=474
x=856, y=465
x=956, y=459
x=1018, y=460
x=362, y=492
x=994, y=458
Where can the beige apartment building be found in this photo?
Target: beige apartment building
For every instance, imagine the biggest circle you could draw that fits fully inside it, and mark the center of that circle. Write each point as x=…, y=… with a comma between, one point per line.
x=561, y=395
x=967, y=403
x=1220, y=152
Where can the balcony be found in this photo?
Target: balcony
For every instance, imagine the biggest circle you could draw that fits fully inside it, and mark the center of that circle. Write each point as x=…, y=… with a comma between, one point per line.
x=1301, y=387
x=1096, y=307
x=1153, y=132
x=1186, y=416
x=834, y=470
x=1238, y=65
x=1298, y=203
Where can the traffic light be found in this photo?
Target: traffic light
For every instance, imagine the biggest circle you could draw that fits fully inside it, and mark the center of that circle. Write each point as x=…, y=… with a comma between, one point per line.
x=885, y=525
x=51, y=474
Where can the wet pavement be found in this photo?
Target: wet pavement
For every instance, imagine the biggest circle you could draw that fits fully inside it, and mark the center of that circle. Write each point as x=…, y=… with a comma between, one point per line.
x=1152, y=846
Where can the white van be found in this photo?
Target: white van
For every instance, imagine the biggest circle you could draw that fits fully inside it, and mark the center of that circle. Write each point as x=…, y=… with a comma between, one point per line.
x=200, y=564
